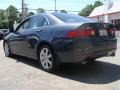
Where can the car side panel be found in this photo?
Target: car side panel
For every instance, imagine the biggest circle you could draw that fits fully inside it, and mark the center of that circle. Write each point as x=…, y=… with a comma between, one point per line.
x=15, y=42
x=32, y=39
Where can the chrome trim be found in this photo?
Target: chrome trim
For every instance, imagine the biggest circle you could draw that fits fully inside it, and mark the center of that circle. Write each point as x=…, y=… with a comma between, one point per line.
x=46, y=20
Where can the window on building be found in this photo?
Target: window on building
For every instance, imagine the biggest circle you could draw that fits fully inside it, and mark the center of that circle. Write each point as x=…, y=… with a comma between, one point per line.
x=116, y=23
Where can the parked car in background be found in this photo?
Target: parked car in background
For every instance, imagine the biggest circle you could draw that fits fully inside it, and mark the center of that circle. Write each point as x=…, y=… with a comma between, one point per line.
x=61, y=38
x=3, y=32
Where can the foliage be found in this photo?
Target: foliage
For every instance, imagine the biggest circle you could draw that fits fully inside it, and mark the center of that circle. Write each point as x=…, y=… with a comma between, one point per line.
x=12, y=14
x=86, y=11
x=2, y=15
x=30, y=14
x=8, y=16
x=40, y=10
x=97, y=4
x=63, y=11
x=89, y=8
x=4, y=25
x=3, y=19
x=19, y=18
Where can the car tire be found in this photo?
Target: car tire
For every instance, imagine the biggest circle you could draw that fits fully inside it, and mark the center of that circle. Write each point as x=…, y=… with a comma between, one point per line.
x=47, y=59
x=7, y=50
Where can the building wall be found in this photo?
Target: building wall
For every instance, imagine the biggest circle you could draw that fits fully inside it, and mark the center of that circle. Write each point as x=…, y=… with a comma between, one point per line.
x=111, y=17
x=98, y=18
x=94, y=19
x=101, y=18
x=115, y=20
x=114, y=16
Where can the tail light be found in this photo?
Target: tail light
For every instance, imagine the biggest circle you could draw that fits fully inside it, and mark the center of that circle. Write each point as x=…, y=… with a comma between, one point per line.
x=81, y=33
x=112, y=32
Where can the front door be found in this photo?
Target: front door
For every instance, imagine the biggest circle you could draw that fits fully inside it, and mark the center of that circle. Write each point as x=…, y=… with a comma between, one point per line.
x=17, y=39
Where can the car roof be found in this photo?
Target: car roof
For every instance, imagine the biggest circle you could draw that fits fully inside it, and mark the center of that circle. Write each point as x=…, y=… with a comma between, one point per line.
x=48, y=14
x=55, y=20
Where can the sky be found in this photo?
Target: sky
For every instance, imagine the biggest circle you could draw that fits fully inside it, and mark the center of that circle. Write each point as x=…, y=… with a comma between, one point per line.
x=74, y=5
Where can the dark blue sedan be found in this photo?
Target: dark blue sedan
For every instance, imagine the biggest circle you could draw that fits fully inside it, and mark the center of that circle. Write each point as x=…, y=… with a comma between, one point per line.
x=61, y=38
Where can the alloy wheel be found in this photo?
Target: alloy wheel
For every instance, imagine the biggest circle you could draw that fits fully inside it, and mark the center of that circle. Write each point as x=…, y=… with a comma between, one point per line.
x=6, y=49
x=46, y=58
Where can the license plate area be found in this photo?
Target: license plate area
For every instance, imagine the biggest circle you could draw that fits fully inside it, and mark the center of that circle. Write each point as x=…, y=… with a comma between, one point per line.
x=103, y=32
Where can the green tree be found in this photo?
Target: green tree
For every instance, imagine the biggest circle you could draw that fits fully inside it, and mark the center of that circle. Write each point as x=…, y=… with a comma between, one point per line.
x=86, y=11
x=89, y=8
x=19, y=17
x=4, y=24
x=12, y=14
x=41, y=10
x=97, y=3
x=31, y=13
x=63, y=11
x=2, y=14
x=3, y=19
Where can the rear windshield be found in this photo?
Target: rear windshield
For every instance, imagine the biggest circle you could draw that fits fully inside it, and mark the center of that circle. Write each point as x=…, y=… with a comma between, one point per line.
x=65, y=17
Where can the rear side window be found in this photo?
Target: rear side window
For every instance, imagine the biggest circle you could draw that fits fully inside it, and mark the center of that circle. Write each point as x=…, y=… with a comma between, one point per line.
x=65, y=17
x=36, y=21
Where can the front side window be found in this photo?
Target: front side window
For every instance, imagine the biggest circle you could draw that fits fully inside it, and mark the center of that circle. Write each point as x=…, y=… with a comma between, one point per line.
x=24, y=25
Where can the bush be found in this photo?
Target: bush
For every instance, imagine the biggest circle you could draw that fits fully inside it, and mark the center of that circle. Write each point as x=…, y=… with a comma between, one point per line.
x=4, y=25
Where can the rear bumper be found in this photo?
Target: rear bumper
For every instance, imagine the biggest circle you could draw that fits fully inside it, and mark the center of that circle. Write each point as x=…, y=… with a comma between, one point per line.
x=86, y=50
x=80, y=55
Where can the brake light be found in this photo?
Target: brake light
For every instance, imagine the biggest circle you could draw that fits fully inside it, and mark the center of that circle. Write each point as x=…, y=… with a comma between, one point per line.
x=81, y=33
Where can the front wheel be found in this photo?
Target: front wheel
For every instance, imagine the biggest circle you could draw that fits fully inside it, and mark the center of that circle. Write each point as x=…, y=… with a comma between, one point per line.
x=7, y=50
x=47, y=59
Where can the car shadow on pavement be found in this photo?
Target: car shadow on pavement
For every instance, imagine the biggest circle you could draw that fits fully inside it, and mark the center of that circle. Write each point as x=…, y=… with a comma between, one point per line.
x=98, y=72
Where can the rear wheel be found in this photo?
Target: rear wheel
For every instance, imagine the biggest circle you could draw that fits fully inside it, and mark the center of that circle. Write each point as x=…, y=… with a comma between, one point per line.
x=47, y=59
x=7, y=50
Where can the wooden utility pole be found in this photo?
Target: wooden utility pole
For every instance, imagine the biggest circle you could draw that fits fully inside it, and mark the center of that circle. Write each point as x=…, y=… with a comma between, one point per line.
x=55, y=5
x=23, y=7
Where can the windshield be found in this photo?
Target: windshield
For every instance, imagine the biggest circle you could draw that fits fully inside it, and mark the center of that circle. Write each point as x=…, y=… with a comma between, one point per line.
x=70, y=18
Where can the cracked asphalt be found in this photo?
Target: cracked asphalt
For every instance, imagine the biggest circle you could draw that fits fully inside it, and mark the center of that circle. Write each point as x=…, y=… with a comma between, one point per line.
x=20, y=73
